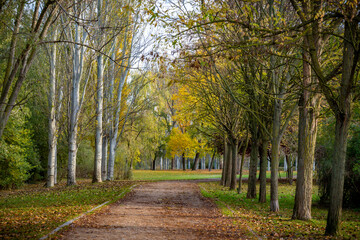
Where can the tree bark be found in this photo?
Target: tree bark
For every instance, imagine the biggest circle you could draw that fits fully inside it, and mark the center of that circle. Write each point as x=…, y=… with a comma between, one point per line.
x=234, y=153
x=224, y=169
x=263, y=166
x=78, y=57
x=112, y=136
x=251, y=192
x=172, y=163
x=275, y=152
x=211, y=161
x=308, y=108
x=183, y=161
x=242, y=162
x=228, y=165
x=154, y=163
x=99, y=104
x=196, y=162
x=104, y=157
x=289, y=170
x=350, y=60
x=99, y=117
x=52, y=118
x=74, y=103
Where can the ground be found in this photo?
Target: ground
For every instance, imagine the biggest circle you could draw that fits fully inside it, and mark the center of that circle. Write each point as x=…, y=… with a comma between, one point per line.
x=159, y=210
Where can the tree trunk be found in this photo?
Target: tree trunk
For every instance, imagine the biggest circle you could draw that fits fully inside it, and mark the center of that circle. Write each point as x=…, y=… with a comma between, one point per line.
x=234, y=153
x=99, y=117
x=350, y=60
x=74, y=108
x=196, y=162
x=289, y=170
x=52, y=118
x=172, y=163
x=308, y=107
x=112, y=136
x=55, y=166
x=154, y=163
x=251, y=192
x=263, y=165
x=242, y=162
x=104, y=158
x=211, y=161
x=183, y=161
x=275, y=155
x=228, y=165
x=224, y=169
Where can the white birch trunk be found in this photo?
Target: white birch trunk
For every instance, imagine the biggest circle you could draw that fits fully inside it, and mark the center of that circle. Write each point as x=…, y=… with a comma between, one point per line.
x=55, y=166
x=78, y=56
x=52, y=118
x=110, y=171
x=99, y=115
x=99, y=105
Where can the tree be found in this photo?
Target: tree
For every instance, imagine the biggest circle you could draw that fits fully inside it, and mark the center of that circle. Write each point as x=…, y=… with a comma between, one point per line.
x=339, y=99
x=19, y=65
x=55, y=109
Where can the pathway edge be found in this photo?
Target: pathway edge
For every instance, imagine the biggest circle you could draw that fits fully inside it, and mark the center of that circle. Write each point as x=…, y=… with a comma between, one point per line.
x=82, y=215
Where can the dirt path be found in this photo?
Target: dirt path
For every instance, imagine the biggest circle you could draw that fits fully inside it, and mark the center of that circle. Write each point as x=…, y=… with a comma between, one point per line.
x=160, y=210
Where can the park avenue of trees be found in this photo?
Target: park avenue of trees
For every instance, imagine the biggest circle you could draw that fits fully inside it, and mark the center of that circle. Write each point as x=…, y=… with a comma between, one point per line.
x=96, y=88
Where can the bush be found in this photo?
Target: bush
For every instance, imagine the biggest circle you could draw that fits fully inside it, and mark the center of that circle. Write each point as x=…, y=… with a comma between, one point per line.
x=17, y=155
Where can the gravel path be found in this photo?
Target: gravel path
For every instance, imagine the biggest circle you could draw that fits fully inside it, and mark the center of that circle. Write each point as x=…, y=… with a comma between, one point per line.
x=159, y=210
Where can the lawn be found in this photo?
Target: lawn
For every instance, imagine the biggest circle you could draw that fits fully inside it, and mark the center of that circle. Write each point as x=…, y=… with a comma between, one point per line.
x=161, y=175
x=34, y=211
x=270, y=225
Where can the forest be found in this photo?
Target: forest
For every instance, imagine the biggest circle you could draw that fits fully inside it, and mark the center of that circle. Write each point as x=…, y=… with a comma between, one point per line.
x=100, y=89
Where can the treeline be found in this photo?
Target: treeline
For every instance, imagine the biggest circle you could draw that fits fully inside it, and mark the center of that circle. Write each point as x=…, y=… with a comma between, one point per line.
x=277, y=76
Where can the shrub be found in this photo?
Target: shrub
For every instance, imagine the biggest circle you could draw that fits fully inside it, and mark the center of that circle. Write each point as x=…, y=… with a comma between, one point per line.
x=17, y=154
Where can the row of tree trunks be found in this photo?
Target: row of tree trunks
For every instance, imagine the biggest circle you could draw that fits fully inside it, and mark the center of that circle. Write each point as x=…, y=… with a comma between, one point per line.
x=230, y=164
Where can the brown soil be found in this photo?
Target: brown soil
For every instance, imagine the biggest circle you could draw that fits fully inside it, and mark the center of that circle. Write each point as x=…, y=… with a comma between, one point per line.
x=160, y=210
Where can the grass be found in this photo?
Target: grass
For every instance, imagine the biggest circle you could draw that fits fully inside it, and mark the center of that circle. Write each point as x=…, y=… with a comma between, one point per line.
x=162, y=175
x=279, y=225
x=34, y=211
